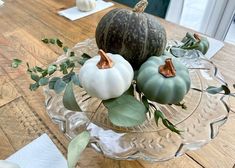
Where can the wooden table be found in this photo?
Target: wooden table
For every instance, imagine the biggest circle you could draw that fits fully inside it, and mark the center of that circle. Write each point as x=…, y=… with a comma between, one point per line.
x=22, y=114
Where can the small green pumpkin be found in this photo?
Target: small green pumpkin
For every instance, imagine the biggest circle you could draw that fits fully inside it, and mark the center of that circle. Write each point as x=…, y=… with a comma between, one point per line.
x=131, y=33
x=195, y=41
x=164, y=80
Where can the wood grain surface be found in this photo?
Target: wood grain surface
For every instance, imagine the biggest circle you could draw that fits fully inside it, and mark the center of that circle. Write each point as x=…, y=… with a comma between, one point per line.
x=22, y=114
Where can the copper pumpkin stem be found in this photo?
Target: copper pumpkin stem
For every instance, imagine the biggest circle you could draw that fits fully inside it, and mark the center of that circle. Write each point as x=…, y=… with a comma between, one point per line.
x=197, y=37
x=140, y=6
x=105, y=62
x=167, y=70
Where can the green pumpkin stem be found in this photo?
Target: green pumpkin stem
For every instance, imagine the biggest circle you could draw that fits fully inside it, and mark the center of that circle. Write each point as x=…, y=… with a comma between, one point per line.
x=105, y=62
x=167, y=70
x=140, y=6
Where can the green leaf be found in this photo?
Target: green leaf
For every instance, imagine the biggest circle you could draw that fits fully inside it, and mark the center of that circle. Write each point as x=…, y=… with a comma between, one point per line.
x=51, y=69
x=29, y=70
x=125, y=111
x=39, y=69
x=15, y=63
x=59, y=43
x=44, y=73
x=145, y=102
x=182, y=105
x=69, y=99
x=45, y=40
x=43, y=81
x=76, y=147
x=84, y=58
x=65, y=48
x=72, y=54
x=34, y=86
x=170, y=126
x=35, y=77
x=216, y=90
x=59, y=86
x=52, y=82
x=85, y=55
x=67, y=78
x=63, y=67
x=157, y=115
x=130, y=91
x=75, y=79
x=52, y=41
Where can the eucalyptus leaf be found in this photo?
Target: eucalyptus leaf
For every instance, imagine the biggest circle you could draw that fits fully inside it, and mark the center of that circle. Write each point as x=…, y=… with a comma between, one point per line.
x=170, y=126
x=59, y=86
x=51, y=69
x=125, y=111
x=85, y=55
x=43, y=81
x=35, y=77
x=157, y=115
x=69, y=99
x=75, y=79
x=130, y=91
x=52, y=82
x=44, y=73
x=45, y=40
x=39, y=69
x=145, y=102
x=72, y=54
x=76, y=147
x=59, y=43
x=65, y=48
x=67, y=78
x=15, y=63
x=34, y=86
x=84, y=58
x=63, y=68
x=52, y=41
x=216, y=90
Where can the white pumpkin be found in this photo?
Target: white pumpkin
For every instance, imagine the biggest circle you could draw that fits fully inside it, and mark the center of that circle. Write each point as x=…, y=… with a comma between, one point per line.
x=86, y=5
x=6, y=164
x=106, y=76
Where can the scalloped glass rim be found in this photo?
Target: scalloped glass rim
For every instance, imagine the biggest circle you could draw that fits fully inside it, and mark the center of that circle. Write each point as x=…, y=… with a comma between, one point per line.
x=200, y=122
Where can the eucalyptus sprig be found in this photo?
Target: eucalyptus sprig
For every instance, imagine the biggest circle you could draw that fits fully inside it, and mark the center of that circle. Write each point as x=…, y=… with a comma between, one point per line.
x=158, y=114
x=43, y=76
x=223, y=90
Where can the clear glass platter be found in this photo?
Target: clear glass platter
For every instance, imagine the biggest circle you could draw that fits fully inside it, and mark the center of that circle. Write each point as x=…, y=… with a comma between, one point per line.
x=199, y=123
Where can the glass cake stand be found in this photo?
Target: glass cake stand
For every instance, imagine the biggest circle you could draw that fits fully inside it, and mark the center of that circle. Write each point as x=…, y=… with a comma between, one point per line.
x=199, y=123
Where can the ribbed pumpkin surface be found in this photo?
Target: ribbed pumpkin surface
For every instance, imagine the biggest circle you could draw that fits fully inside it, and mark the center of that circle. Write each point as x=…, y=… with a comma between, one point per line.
x=135, y=36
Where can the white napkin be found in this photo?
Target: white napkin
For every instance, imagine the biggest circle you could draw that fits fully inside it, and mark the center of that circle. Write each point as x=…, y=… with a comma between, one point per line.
x=1, y=2
x=215, y=46
x=41, y=153
x=74, y=14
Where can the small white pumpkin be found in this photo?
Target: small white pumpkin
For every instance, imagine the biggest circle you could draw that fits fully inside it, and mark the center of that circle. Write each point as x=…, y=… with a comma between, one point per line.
x=6, y=164
x=86, y=5
x=106, y=76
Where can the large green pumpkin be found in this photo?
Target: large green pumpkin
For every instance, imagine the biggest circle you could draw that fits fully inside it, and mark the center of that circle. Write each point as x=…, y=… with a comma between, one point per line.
x=164, y=80
x=131, y=33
